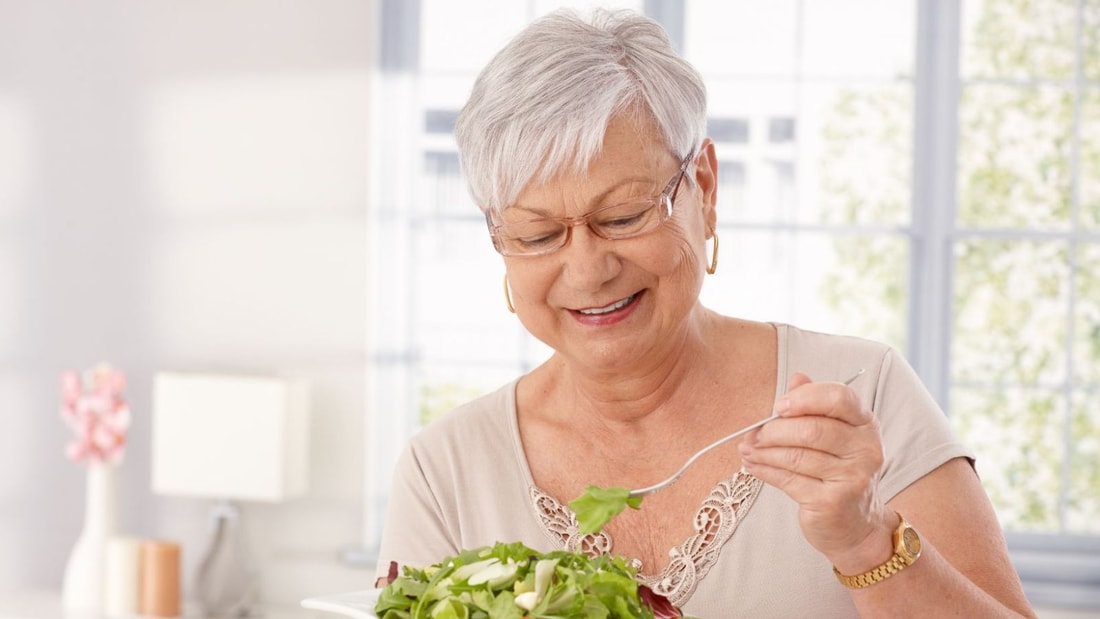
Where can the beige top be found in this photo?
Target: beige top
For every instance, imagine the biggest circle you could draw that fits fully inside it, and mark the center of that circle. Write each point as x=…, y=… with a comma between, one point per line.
x=464, y=482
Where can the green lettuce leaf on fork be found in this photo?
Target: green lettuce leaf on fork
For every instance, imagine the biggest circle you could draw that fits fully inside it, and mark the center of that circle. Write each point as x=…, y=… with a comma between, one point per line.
x=597, y=506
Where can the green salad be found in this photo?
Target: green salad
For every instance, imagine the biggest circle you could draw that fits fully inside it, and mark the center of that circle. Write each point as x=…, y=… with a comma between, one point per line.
x=512, y=581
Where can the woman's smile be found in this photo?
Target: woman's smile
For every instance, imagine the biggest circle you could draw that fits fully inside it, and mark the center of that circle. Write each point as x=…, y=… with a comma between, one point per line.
x=608, y=314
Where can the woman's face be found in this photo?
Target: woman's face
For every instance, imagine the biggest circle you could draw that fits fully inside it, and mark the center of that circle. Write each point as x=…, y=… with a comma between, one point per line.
x=612, y=305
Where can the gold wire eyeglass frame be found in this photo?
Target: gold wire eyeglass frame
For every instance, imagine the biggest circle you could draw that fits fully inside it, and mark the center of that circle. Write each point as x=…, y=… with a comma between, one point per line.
x=663, y=202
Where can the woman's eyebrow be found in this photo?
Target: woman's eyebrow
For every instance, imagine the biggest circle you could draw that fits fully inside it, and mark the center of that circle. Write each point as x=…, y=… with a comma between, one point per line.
x=596, y=200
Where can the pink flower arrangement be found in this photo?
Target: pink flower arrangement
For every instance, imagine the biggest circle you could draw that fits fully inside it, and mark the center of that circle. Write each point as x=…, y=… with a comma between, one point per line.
x=92, y=405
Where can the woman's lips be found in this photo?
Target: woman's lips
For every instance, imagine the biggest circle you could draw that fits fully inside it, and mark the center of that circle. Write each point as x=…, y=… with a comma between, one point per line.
x=608, y=314
x=607, y=309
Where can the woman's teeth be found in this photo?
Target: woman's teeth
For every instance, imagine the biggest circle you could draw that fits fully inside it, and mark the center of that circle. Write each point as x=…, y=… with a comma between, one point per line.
x=608, y=308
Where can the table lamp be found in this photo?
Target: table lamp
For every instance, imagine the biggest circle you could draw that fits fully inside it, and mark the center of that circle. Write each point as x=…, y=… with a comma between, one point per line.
x=229, y=438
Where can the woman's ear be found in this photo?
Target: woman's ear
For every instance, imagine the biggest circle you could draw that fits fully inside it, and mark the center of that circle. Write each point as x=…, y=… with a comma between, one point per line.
x=706, y=178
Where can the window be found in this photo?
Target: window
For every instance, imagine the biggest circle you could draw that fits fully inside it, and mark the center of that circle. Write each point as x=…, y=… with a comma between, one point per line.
x=1025, y=331
x=440, y=121
x=781, y=130
x=728, y=130
x=819, y=190
x=1026, y=343
x=920, y=175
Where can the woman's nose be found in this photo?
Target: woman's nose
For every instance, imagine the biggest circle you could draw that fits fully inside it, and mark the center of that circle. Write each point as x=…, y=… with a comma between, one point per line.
x=589, y=260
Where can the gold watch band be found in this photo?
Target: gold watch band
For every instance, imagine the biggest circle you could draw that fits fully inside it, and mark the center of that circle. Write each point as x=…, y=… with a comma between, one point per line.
x=907, y=548
x=892, y=566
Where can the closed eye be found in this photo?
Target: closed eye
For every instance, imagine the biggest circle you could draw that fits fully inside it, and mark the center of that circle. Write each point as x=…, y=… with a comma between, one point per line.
x=538, y=240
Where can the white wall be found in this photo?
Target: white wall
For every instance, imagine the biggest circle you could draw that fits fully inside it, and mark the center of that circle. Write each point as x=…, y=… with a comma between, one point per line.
x=182, y=187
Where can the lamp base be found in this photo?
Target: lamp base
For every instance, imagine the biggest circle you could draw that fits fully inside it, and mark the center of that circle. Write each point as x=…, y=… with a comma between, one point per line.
x=225, y=585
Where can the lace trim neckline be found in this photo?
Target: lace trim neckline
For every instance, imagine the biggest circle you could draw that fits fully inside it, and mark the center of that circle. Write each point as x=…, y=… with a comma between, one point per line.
x=714, y=523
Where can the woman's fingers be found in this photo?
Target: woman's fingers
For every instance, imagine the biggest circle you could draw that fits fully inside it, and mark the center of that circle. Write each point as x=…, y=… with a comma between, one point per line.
x=826, y=454
x=819, y=448
x=823, y=448
x=804, y=435
x=825, y=399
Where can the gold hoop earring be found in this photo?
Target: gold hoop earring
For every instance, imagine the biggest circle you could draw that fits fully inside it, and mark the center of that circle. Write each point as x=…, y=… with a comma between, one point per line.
x=508, y=295
x=714, y=256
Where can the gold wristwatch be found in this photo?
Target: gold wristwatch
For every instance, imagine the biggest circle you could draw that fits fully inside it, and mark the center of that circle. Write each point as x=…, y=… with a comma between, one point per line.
x=906, y=552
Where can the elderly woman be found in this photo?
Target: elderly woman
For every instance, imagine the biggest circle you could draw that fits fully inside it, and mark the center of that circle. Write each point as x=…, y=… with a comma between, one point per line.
x=583, y=143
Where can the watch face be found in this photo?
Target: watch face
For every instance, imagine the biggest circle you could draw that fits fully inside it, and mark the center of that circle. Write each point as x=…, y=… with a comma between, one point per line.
x=911, y=541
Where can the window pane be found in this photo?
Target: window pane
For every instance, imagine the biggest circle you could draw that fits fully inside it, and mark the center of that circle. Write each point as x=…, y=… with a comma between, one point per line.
x=728, y=130
x=1086, y=348
x=1019, y=40
x=443, y=190
x=732, y=196
x=440, y=122
x=458, y=305
x=1017, y=438
x=1014, y=156
x=1083, y=515
x=837, y=44
x=466, y=342
x=446, y=94
x=818, y=153
x=453, y=39
x=781, y=129
x=583, y=6
x=741, y=37
x=858, y=150
x=756, y=176
x=1091, y=39
x=836, y=283
x=1010, y=312
x=442, y=387
x=1090, y=158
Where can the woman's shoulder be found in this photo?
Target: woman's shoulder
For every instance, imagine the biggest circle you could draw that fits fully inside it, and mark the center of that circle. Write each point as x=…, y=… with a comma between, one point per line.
x=827, y=356
x=812, y=341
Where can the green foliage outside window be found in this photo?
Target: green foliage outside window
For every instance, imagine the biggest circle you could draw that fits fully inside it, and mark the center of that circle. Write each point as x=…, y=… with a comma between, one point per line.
x=438, y=398
x=1025, y=353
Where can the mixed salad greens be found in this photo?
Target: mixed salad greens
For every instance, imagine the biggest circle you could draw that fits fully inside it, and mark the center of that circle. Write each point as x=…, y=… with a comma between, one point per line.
x=512, y=581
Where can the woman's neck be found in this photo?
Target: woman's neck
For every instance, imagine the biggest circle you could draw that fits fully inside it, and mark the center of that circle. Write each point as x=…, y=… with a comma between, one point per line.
x=631, y=399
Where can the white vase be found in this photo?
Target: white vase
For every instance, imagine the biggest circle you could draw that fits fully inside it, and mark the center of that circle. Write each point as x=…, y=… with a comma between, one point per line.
x=82, y=589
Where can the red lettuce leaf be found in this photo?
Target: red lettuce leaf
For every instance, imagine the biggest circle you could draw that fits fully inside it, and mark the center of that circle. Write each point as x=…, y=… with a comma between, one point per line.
x=662, y=608
x=389, y=577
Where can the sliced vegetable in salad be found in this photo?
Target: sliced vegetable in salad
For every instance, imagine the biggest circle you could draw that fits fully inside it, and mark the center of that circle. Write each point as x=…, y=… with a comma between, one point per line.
x=512, y=581
x=597, y=506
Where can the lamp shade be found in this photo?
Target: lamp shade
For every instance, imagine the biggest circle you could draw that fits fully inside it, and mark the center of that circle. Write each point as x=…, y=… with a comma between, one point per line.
x=229, y=437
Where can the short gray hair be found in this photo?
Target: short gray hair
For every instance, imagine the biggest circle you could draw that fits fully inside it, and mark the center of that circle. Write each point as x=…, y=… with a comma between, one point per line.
x=543, y=103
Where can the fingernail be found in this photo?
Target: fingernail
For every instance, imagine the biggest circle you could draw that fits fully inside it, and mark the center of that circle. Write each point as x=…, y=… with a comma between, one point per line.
x=782, y=405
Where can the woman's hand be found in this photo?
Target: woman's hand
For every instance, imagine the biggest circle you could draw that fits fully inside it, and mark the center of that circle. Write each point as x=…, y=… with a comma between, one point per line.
x=826, y=454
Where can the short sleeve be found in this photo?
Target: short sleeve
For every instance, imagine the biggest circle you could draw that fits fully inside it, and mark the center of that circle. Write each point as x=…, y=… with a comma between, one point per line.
x=917, y=436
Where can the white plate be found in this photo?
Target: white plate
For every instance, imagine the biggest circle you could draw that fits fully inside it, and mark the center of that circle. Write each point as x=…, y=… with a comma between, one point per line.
x=358, y=604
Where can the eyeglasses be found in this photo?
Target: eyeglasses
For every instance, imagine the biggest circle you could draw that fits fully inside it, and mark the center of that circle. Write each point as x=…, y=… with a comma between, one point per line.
x=536, y=237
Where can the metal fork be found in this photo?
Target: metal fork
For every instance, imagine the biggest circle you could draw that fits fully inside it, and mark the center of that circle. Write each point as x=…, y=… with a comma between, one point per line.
x=655, y=487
